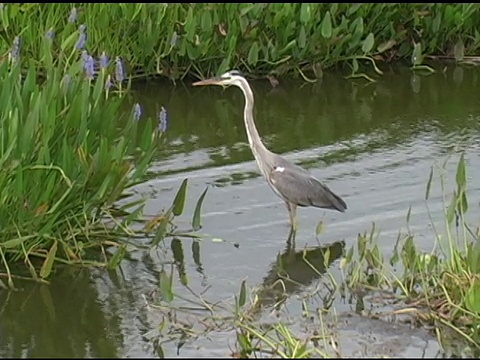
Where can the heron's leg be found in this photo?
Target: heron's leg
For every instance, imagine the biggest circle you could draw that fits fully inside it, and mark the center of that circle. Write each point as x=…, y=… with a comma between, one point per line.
x=291, y=240
x=292, y=212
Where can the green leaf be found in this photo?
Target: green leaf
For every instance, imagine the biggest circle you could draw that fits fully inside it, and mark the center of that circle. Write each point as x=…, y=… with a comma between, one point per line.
x=196, y=223
x=117, y=257
x=417, y=57
x=253, y=54
x=15, y=242
x=206, y=21
x=242, y=297
x=354, y=65
x=472, y=298
x=47, y=264
x=459, y=50
x=320, y=228
x=162, y=228
x=166, y=286
x=327, y=26
x=302, y=37
x=196, y=253
x=368, y=43
x=179, y=201
x=305, y=13
x=461, y=176
x=386, y=46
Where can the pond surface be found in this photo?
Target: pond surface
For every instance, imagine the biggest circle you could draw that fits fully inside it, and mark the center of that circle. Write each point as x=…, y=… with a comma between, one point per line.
x=372, y=143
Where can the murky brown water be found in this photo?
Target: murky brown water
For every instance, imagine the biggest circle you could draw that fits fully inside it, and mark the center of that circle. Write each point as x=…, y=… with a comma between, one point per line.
x=373, y=144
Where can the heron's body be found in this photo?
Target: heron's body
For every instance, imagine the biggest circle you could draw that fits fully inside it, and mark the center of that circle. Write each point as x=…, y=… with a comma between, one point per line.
x=293, y=184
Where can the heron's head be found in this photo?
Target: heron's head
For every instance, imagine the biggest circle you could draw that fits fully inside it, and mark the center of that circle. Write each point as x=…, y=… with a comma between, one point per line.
x=232, y=77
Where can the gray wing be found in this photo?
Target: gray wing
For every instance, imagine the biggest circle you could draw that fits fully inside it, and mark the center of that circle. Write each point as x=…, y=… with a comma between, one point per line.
x=298, y=187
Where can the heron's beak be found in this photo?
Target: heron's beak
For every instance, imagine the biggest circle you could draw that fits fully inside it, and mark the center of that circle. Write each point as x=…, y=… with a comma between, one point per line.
x=211, y=81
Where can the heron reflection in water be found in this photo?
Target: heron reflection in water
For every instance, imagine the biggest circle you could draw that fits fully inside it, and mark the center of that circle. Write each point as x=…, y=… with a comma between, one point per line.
x=293, y=184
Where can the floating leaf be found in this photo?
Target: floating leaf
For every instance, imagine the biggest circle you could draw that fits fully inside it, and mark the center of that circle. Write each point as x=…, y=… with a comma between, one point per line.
x=327, y=26
x=368, y=43
x=196, y=224
x=179, y=201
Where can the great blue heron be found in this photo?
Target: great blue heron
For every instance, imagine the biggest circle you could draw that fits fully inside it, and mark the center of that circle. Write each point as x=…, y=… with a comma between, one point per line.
x=293, y=184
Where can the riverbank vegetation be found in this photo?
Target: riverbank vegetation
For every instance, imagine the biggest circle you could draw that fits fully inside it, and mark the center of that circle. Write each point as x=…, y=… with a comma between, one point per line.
x=70, y=149
x=177, y=40
x=437, y=289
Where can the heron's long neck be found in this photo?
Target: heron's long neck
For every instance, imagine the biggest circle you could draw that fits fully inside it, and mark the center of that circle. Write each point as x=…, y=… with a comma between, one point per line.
x=256, y=144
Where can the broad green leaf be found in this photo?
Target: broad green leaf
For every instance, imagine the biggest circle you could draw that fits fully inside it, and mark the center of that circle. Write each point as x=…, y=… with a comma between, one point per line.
x=368, y=43
x=196, y=222
x=242, y=297
x=320, y=228
x=354, y=66
x=417, y=56
x=177, y=250
x=48, y=262
x=196, y=252
x=386, y=46
x=179, y=201
x=162, y=228
x=305, y=12
x=117, y=257
x=472, y=298
x=461, y=176
x=253, y=54
x=15, y=242
x=302, y=37
x=166, y=286
x=326, y=29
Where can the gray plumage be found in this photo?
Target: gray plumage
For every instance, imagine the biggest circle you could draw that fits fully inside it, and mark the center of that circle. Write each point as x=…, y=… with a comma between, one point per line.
x=293, y=184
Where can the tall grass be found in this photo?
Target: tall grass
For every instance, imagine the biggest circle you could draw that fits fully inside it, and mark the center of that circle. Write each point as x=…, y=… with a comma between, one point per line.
x=179, y=39
x=68, y=152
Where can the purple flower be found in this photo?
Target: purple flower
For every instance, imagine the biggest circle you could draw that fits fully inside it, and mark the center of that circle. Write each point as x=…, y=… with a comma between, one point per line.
x=119, y=70
x=162, y=120
x=15, y=52
x=50, y=34
x=82, y=38
x=73, y=15
x=88, y=65
x=104, y=61
x=137, y=112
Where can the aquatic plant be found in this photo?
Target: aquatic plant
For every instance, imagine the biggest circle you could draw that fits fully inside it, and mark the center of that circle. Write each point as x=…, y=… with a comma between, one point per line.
x=179, y=39
x=69, y=153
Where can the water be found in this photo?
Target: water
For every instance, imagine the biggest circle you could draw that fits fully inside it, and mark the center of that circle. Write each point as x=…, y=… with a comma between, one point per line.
x=373, y=144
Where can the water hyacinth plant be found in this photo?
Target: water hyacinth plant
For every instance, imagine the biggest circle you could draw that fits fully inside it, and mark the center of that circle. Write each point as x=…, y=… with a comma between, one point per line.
x=303, y=39
x=68, y=153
